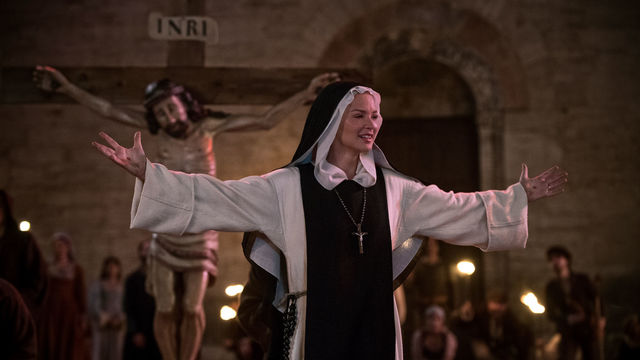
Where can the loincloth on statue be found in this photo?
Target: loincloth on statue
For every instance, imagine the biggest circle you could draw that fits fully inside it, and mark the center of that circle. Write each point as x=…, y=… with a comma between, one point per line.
x=195, y=252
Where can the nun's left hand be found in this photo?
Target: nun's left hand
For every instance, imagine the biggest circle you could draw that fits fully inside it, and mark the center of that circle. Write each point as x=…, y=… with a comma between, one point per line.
x=549, y=183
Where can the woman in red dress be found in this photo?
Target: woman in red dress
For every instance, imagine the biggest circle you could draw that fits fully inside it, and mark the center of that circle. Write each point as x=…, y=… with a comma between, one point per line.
x=63, y=321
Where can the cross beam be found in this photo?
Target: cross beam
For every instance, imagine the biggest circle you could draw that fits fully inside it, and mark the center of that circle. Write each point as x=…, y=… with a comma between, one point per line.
x=214, y=85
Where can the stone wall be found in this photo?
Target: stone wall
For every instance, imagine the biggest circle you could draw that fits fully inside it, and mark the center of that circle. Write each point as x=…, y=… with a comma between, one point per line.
x=555, y=82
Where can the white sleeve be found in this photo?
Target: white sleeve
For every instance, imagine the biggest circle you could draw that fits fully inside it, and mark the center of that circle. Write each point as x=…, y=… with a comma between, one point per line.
x=177, y=203
x=490, y=220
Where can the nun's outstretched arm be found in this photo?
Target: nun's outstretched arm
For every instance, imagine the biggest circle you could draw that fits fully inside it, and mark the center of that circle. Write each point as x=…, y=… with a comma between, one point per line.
x=489, y=220
x=178, y=203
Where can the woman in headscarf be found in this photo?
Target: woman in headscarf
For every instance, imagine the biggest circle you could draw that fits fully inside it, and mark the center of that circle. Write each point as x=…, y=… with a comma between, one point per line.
x=433, y=340
x=334, y=226
x=62, y=325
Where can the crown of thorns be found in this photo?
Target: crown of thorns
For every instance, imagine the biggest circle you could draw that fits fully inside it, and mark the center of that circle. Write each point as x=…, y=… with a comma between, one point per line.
x=159, y=90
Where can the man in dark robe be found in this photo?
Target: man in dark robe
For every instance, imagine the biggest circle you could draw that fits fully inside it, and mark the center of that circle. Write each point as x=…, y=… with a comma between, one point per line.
x=17, y=332
x=21, y=261
x=140, y=307
x=571, y=305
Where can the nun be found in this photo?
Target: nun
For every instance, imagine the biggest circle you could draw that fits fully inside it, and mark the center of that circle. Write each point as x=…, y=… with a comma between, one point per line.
x=335, y=227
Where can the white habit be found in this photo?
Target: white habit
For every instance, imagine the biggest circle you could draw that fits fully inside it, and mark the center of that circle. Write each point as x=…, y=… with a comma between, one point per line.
x=177, y=203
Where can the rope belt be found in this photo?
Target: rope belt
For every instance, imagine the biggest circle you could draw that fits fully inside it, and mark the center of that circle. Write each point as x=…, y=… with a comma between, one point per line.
x=289, y=321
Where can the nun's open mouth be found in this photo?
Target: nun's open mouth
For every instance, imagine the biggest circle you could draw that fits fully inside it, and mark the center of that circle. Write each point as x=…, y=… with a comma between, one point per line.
x=366, y=137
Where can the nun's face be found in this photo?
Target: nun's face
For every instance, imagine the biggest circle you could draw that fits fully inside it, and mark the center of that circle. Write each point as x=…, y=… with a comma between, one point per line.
x=359, y=126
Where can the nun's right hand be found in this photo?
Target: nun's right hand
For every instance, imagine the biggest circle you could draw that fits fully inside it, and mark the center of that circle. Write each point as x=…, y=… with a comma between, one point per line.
x=132, y=159
x=551, y=182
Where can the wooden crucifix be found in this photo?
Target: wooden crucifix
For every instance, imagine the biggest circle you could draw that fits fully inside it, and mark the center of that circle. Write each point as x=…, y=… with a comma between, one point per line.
x=187, y=131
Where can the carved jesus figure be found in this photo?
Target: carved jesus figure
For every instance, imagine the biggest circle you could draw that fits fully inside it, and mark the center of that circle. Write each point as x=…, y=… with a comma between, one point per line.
x=187, y=131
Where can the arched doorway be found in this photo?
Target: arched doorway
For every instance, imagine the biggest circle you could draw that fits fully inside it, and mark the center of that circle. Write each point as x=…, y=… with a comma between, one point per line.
x=429, y=128
x=429, y=132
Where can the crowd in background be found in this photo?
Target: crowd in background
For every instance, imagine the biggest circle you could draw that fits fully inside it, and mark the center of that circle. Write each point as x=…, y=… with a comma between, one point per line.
x=46, y=311
x=439, y=326
x=443, y=324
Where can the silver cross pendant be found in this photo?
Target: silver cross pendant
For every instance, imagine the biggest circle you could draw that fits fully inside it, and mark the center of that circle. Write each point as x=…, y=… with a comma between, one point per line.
x=360, y=236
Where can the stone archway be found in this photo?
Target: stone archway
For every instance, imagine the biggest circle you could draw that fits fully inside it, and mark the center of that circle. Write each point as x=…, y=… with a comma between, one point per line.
x=458, y=38
x=476, y=73
x=416, y=27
